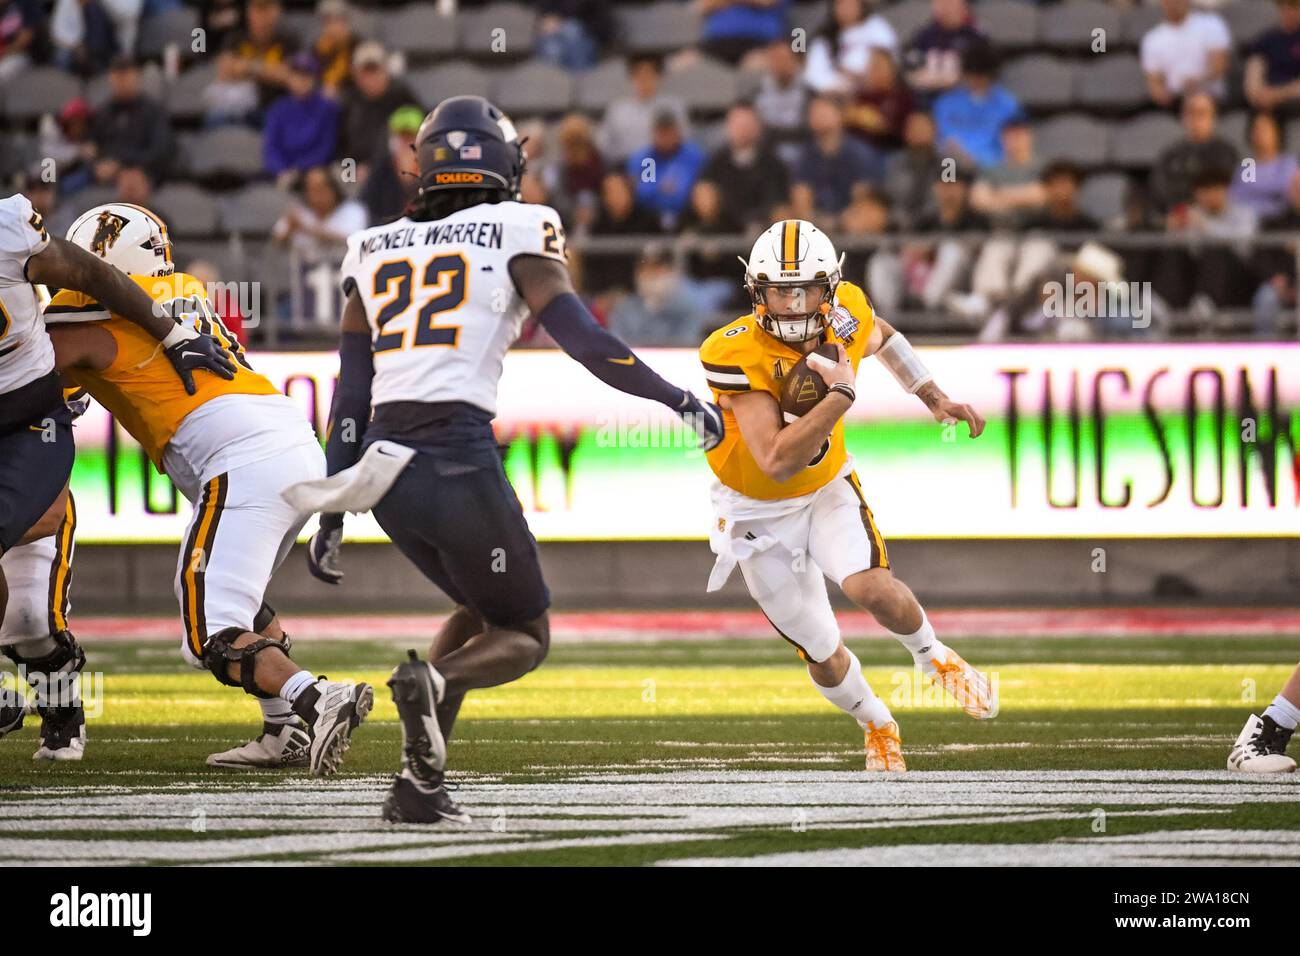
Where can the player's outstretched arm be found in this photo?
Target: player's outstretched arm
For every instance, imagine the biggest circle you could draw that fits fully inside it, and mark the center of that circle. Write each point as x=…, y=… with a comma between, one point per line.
x=63, y=265
x=546, y=287
x=783, y=452
x=349, y=415
x=897, y=355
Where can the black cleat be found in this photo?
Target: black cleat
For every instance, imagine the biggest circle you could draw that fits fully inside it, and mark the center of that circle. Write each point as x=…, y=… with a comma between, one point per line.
x=424, y=750
x=419, y=801
x=63, y=733
x=13, y=708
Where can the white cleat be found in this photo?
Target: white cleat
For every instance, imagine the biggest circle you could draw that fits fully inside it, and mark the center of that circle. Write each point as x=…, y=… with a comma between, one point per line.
x=1261, y=748
x=977, y=694
x=279, y=745
x=332, y=710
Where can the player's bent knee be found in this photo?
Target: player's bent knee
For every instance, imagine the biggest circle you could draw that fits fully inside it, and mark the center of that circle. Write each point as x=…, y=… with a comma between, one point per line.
x=539, y=629
x=220, y=652
x=873, y=590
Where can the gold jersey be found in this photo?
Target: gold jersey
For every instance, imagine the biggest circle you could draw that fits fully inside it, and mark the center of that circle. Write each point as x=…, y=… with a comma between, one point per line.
x=742, y=357
x=141, y=387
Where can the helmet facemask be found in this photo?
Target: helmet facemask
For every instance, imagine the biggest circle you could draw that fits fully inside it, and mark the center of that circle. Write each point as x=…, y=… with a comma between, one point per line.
x=793, y=312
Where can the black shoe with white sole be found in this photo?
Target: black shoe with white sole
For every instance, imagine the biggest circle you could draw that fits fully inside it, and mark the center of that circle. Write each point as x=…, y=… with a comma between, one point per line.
x=415, y=692
x=332, y=710
x=63, y=733
x=422, y=801
x=13, y=708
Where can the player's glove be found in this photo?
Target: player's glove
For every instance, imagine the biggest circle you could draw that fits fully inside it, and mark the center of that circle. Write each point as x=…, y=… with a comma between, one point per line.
x=323, y=550
x=189, y=350
x=705, y=419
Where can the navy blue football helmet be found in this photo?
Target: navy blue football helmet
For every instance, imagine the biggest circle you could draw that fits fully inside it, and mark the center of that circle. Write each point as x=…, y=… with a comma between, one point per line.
x=467, y=143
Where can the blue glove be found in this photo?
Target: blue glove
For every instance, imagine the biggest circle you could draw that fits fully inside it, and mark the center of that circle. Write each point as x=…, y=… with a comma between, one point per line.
x=705, y=419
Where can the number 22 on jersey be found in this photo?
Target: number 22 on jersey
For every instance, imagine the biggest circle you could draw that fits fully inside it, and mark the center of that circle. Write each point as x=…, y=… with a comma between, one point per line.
x=442, y=289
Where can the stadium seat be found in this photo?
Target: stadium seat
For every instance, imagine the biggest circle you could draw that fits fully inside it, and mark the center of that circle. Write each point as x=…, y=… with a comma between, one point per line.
x=908, y=17
x=35, y=92
x=1136, y=21
x=419, y=31
x=253, y=210
x=532, y=88
x=705, y=86
x=217, y=252
x=810, y=17
x=1102, y=196
x=184, y=95
x=174, y=26
x=1073, y=24
x=599, y=87
x=1235, y=128
x=188, y=210
x=1009, y=22
x=478, y=30
x=658, y=27
x=1138, y=142
x=450, y=79
x=1113, y=82
x=1247, y=19
x=1077, y=137
x=1292, y=136
x=227, y=151
x=91, y=196
x=152, y=84
x=1041, y=82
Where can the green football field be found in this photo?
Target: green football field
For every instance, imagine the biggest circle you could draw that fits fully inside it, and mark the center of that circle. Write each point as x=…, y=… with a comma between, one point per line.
x=1107, y=751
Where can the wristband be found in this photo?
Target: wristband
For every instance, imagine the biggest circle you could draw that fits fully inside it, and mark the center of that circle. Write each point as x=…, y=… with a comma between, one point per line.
x=844, y=389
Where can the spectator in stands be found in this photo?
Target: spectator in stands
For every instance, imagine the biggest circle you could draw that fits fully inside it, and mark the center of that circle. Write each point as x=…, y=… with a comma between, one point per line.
x=394, y=175
x=301, y=126
x=970, y=118
x=749, y=177
x=20, y=25
x=334, y=46
x=879, y=105
x=84, y=35
x=1060, y=209
x=711, y=266
x=666, y=170
x=366, y=106
x=663, y=309
x=617, y=215
x=1212, y=276
x=571, y=33
x=573, y=181
x=1187, y=51
x=1265, y=183
x=1200, y=150
x=318, y=222
x=220, y=21
x=782, y=99
x=1007, y=190
x=232, y=97
x=68, y=142
x=131, y=129
x=834, y=169
x=734, y=28
x=1272, y=75
x=842, y=53
x=928, y=273
x=134, y=185
x=933, y=60
x=222, y=295
x=628, y=120
x=264, y=47
x=910, y=173
x=43, y=194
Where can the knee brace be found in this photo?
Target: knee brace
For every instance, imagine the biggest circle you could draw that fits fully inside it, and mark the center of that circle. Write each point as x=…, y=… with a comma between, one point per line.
x=262, y=620
x=52, y=675
x=219, y=654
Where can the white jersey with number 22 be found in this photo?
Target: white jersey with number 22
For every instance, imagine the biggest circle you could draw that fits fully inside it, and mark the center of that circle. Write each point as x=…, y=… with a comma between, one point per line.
x=439, y=299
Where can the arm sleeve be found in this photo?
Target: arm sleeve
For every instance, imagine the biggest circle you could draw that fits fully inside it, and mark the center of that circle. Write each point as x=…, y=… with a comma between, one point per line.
x=604, y=354
x=350, y=412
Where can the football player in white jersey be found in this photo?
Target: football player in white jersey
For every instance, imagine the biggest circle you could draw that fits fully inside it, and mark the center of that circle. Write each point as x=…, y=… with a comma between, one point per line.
x=36, y=445
x=434, y=300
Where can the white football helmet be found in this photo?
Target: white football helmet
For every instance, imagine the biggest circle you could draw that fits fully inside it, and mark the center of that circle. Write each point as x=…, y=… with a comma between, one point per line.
x=127, y=236
x=795, y=263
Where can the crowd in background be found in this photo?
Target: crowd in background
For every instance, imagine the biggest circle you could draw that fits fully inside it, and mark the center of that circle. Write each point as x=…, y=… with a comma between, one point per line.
x=865, y=132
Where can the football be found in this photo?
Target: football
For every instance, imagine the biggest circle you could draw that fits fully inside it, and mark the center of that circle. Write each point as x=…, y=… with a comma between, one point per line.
x=803, y=386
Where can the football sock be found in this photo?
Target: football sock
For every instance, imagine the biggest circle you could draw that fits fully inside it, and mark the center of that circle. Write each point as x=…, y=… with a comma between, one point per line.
x=923, y=644
x=277, y=710
x=295, y=685
x=439, y=684
x=854, y=696
x=1284, y=713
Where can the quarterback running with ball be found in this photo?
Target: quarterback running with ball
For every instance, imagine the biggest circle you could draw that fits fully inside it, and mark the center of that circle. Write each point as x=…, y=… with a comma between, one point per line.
x=788, y=505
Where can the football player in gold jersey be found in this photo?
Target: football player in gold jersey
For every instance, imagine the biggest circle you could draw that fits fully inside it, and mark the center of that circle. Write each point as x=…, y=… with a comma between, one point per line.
x=789, y=509
x=230, y=447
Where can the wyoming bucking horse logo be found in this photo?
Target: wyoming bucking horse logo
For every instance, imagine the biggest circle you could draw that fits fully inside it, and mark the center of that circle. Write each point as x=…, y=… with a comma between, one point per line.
x=108, y=229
